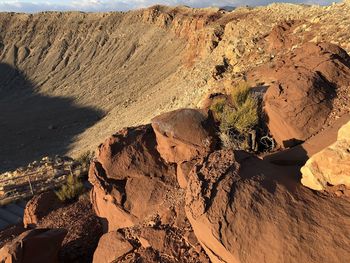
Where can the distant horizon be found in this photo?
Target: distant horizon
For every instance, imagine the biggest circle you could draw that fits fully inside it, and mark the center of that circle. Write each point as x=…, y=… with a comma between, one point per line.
x=34, y=6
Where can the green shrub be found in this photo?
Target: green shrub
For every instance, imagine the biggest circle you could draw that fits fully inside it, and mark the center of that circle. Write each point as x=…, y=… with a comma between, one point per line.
x=240, y=94
x=237, y=117
x=71, y=190
x=243, y=115
x=218, y=107
x=242, y=119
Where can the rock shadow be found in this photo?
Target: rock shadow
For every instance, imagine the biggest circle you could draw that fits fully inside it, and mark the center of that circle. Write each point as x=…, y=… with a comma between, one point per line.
x=33, y=125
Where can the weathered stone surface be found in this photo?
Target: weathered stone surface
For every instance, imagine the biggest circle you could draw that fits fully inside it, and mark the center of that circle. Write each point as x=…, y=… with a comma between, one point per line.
x=299, y=154
x=182, y=171
x=34, y=246
x=183, y=135
x=331, y=166
x=243, y=209
x=281, y=36
x=38, y=207
x=111, y=246
x=131, y=181
x=131, y=153
x=303, y=86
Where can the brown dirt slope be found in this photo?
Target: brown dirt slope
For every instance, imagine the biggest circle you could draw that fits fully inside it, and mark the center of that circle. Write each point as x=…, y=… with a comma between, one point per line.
x=80, y=77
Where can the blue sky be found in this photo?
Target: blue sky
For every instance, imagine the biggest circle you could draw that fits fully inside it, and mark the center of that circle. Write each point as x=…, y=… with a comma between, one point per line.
x=122, y=5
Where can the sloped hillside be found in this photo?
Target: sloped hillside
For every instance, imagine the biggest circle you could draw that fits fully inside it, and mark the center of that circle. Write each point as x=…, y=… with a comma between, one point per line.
x=62, y=73
x=68, y=80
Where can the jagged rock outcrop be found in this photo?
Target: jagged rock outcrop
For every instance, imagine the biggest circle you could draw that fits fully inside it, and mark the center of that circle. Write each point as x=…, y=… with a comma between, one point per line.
x=38, y=207
x=243, y=209
x=331, y=166
x=131, y=181
x=183, y=137
x=304, y=84
x=111, y=246
x=38, y=245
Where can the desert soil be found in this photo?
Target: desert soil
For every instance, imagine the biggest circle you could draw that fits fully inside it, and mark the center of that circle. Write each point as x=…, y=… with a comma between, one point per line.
x=69, y=80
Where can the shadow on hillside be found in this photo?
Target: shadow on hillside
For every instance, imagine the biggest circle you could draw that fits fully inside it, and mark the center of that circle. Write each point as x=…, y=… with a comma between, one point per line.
x=33, y=125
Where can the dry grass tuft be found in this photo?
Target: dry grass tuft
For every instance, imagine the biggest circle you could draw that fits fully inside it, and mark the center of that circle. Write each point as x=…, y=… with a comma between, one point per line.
x=237, y=118
x=71, y=190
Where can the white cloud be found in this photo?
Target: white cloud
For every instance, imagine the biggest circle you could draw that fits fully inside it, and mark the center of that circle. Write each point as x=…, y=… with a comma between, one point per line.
x=122, y=5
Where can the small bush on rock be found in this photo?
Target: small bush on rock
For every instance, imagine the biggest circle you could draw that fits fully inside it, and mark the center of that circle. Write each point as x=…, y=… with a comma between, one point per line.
x=218, y=107
x=242, y=118
x=240, y=94
x=238, y=117
x=71, y=190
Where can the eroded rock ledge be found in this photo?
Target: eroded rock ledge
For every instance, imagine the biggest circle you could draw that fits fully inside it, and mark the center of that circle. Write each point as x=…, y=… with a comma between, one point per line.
x=238, y=207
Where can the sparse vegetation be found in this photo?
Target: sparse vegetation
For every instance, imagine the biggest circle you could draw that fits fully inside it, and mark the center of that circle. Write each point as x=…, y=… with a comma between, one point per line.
x=240, y=94
x=85, y=158
x=218, y=107
x=238, y=117
x=71, y=190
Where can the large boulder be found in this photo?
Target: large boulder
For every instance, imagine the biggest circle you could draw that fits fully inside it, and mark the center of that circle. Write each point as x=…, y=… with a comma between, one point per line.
x=243, y=209
x=331, y=166
x=40, y=206
x=111, y=246
x=302, y=86
x=34, y=246
x=132, y=183
x=183, y=135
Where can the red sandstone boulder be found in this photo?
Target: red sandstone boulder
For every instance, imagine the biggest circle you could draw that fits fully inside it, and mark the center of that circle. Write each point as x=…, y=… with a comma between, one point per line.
x=131, y=181
x=331, y=166
x=131, y=152
x=184, y=135
x=38, y=207
x=111, y=246
x=243, y=209
x=303, y=85
x=34, y=246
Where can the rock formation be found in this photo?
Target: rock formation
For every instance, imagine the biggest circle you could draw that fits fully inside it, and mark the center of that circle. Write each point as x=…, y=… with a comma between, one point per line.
x=184, y=135
x=111, y=247
x=133, y=175
x=331, y=166
x=304, y=85
x=146, y=62
x=39, y=206
x=243, y=209
x=131, y=181
x=38, y=245
x=165, y=191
